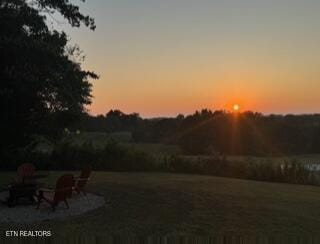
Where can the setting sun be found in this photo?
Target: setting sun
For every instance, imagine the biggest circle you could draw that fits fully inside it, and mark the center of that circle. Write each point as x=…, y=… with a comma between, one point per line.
x=236, y=107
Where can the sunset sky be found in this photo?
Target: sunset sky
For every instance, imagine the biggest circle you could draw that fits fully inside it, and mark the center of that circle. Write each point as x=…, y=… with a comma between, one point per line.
x=164, y=57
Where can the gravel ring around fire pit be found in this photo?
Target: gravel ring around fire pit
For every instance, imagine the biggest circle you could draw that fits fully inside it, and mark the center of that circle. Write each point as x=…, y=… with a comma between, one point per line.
x=79, y=204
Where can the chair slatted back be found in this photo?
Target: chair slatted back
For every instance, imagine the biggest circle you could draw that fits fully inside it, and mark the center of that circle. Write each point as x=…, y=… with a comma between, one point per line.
x=25, y=170
x=84, y=177
x=64, y=187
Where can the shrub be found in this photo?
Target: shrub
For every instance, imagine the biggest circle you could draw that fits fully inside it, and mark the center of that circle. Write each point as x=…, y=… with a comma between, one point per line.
x=290, y=171
x=118, y=157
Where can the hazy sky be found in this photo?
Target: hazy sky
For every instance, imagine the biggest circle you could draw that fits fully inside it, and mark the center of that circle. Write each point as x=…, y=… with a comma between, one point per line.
x=164, y=57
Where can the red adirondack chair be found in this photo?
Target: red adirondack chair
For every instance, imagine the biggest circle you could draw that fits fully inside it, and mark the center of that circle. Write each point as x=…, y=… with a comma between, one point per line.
x=24, y=172
x=81, y=181
x=61, y=193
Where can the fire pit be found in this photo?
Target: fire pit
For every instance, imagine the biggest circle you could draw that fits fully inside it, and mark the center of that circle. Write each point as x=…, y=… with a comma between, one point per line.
x=21, y=193
x=24, y=192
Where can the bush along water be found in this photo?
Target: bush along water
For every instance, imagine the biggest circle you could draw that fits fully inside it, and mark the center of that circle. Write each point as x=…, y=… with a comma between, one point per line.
x=115, y=156
x=288, y=171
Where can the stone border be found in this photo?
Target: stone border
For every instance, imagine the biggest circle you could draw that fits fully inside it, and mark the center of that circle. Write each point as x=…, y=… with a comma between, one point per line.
x=79, y=204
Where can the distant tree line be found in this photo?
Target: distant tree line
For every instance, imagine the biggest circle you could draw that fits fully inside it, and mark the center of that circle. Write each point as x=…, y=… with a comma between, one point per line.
x=218, y=132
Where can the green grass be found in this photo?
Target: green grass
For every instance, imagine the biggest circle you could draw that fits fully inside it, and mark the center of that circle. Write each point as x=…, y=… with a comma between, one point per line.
x=171, y=204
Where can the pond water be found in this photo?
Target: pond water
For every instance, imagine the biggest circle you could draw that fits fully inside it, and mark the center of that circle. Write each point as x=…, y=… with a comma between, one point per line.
x=313, y=166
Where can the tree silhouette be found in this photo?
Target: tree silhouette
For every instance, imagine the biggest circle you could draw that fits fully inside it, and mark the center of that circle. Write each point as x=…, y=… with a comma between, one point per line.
x=42, y=83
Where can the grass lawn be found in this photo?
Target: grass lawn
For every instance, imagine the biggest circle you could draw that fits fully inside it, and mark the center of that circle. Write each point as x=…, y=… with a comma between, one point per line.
x=171, y=204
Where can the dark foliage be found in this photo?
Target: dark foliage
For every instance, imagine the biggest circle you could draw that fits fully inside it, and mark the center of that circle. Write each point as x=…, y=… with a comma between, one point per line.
x=117, y=157
x=219, y=132
x=65, y=156
x=43, y=87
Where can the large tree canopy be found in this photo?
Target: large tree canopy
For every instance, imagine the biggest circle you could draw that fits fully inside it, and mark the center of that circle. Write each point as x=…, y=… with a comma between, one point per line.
x=41, y=77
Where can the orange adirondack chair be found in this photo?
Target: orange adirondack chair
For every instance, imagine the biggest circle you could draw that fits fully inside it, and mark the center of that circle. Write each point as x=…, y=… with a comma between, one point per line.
x=61, y=193
x=81, y=181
